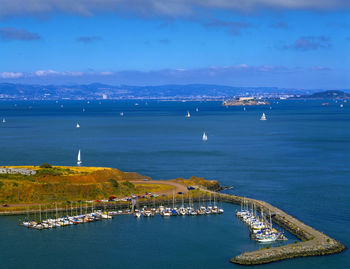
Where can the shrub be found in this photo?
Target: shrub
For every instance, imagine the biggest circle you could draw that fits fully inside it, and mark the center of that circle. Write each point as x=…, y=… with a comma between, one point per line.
x=49, y=171
x=45, y=165
x=114, y=183
x=128, y=184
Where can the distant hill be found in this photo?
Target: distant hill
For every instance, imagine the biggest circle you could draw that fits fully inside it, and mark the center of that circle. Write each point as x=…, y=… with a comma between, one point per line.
x=327, y=95
x=100, y=91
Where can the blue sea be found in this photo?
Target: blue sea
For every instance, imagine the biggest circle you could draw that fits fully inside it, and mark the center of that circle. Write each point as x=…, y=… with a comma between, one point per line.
x=298, y=160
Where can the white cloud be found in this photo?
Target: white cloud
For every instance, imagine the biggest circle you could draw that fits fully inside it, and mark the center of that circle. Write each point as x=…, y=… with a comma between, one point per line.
x=41, y=73
x=158, y=7
x=106, y=73
x=11, y=74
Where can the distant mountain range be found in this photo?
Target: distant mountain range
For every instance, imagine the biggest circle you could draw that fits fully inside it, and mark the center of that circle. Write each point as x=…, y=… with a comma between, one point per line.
x=167, y=92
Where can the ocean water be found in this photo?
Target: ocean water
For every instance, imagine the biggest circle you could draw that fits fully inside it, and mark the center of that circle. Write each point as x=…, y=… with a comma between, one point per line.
x=298, y=160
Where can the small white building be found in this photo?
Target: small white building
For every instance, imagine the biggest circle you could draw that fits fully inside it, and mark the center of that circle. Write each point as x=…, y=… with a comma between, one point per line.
x=23, y=171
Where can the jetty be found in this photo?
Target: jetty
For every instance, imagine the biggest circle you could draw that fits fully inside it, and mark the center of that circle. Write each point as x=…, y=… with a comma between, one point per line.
x=313, y=242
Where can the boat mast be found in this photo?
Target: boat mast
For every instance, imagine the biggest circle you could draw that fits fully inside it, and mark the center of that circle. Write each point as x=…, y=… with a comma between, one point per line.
x=173, y=199
x=40, y=212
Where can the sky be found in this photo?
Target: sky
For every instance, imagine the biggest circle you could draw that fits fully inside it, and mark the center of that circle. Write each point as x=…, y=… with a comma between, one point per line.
x=251, y=43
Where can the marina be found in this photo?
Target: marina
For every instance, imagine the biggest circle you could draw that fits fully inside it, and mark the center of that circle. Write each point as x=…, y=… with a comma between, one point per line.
x=89, y=211
x=313, y=242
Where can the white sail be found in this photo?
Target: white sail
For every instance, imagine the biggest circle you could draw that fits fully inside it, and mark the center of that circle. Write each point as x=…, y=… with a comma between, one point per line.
x=78, y=126
x=204, y=137
x=121, y=113
x=3, y=120
x=197, y=109
x=79, y=157
x=188, y=115
x=263, y=116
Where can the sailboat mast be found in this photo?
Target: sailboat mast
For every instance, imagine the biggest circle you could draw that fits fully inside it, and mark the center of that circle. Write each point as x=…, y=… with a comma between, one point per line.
x=173, y=199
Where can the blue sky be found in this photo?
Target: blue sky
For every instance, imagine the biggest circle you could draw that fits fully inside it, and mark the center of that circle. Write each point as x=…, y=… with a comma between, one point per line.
x=125, y=42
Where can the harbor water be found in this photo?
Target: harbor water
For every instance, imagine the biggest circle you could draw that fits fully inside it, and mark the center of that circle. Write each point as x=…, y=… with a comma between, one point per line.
x=298, y=160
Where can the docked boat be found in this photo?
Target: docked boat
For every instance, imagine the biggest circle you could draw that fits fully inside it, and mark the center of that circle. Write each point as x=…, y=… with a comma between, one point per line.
x=147, y=213
x=137, y=214
x=166, y=213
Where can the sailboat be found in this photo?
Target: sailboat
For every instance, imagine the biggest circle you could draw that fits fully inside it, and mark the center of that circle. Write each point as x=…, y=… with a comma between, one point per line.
x=204, y=137
x=78, y=126
x=263, y=116
x=3, y=120
x=197, y=109
x=121, y=113
x=341, y=105
x=79, y=158
x=188, y=115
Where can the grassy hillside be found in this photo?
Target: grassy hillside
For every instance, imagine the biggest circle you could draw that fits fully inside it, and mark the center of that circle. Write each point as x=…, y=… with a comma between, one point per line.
x=199, y=181
x=61, y=183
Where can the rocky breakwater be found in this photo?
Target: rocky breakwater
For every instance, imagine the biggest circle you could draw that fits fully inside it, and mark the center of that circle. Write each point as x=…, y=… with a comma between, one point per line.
x=313, y=242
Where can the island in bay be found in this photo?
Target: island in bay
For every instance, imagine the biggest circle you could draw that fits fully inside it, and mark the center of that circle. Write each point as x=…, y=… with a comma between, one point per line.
x=245, y=101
